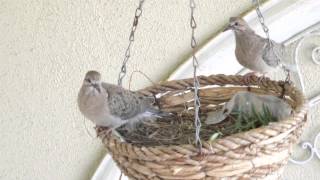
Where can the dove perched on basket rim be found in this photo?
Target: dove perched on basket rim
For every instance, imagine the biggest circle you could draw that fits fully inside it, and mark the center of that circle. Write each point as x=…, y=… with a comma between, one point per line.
x=254, y=52
x=112, y=106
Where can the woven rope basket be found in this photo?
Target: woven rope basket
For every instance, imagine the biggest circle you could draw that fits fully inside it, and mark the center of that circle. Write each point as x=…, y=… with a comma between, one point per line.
x=256, y=154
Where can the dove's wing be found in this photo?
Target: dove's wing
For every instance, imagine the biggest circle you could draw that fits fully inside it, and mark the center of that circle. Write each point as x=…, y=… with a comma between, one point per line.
x=124, y=103
x=272, y=56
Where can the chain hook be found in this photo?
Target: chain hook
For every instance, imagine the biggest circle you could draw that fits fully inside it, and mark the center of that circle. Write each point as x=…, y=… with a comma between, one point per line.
x=123, y=69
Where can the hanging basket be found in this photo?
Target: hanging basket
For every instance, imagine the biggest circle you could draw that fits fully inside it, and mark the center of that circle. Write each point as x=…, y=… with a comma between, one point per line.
x=258, y=153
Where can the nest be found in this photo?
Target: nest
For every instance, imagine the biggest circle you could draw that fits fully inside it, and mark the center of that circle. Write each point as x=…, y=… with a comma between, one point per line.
x=165, y=149
x=179, y=129
x=176, y=130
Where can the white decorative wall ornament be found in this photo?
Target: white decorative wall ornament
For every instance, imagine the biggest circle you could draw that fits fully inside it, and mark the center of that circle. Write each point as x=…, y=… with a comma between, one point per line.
x=314, y=151
x=315, y=56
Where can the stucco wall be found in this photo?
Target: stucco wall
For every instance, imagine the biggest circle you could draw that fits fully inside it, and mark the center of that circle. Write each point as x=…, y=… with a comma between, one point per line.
x=46, y=46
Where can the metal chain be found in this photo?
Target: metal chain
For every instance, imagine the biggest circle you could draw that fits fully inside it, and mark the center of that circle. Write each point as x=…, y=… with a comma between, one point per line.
x=193, y=26
x=196, y=83
x=256, y=3
x=127, y=55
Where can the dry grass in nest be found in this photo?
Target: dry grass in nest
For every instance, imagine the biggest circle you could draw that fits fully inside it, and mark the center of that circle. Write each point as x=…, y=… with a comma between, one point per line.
x=170, y=131
x=180, y=129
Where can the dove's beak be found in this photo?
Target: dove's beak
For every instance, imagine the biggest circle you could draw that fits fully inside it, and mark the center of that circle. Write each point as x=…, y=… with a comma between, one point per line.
x=228, y=27
x=97, y=87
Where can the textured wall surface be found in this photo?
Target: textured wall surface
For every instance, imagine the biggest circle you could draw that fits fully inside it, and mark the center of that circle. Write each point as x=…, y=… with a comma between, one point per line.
x=46, y=46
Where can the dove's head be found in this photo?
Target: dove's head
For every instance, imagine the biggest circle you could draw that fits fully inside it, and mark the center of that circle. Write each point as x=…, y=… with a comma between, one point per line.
x=237, y=24
x=92, y=80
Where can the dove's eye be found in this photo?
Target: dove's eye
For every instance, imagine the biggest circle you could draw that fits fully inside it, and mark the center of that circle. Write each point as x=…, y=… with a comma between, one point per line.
x=88, y=80
x=236, y=23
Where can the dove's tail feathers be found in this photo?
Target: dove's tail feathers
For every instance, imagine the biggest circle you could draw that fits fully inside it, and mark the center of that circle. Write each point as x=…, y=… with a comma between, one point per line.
x=158, y=113
x=290, y=67
x=162, y=114
x=117, y=134
x=149, y=99
x=132, y=124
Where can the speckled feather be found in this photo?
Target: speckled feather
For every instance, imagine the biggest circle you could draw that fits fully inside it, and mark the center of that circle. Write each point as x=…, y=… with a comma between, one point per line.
x=124, y=103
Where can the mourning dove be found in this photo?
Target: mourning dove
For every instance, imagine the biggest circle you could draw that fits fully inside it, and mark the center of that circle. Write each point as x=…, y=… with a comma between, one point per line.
x=245, y=101
x=253, y=51
x=112, y=106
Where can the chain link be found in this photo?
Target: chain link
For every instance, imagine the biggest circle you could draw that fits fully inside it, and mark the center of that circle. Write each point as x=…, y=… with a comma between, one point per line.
x=127, y=54
x=196, y=83
x=256, y=3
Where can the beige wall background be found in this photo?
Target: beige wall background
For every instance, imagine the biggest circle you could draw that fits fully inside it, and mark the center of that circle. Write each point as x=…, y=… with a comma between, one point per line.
x=46, y=46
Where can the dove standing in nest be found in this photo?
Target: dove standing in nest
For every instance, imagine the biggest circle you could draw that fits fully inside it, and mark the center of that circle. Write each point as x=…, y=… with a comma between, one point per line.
x=254, y=52
x=112, y=106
